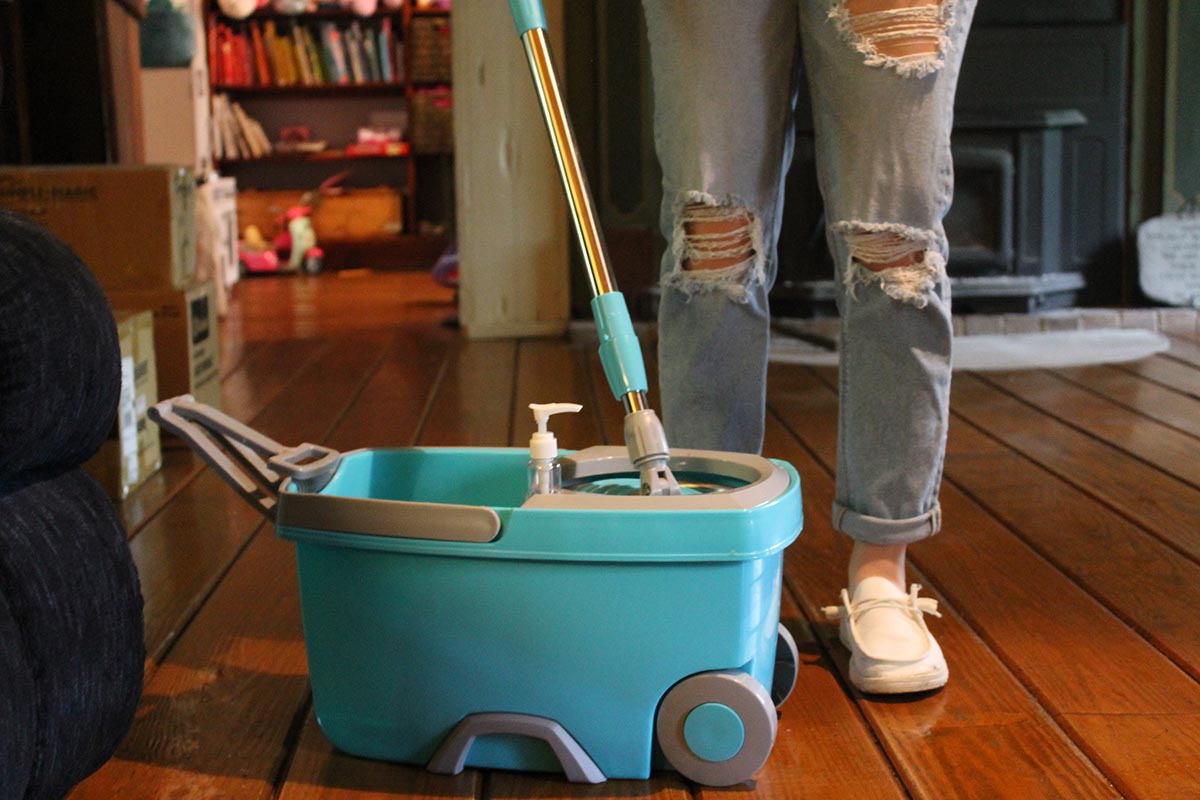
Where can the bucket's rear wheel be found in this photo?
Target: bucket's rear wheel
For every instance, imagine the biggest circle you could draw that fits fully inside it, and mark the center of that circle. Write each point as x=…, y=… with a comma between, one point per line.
x=717, y=728
x=787, y=666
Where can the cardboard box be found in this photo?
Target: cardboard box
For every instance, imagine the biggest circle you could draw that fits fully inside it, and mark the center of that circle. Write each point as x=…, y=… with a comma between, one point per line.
x=186, y=344
x=175, y=116
x=217, y=236
x=134, y=226
x=133, y=450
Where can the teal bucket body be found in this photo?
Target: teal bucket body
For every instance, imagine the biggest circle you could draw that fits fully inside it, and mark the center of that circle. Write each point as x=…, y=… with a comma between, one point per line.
x=583, y=615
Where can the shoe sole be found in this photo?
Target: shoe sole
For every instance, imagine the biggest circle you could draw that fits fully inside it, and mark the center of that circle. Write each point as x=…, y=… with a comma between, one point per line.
x=906, y=685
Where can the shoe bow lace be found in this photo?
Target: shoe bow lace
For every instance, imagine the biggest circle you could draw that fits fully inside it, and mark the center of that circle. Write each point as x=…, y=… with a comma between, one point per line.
x=922, y=605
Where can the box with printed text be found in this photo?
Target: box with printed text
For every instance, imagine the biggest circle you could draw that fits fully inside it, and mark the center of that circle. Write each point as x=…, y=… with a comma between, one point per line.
x=133, y=450
x=186, y=344
x=134, y=226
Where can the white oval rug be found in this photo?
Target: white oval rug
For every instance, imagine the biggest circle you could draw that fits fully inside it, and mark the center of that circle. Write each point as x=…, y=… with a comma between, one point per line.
x=1042, y=350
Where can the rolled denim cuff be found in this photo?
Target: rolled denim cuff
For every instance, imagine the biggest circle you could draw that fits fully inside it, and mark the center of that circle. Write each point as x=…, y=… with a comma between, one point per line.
x=874, y=530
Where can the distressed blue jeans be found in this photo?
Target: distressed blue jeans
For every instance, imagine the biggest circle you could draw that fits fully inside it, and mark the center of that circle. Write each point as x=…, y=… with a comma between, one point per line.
x=882, y=84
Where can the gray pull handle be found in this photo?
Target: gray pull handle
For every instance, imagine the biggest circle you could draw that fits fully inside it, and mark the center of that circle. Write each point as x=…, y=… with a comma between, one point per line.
x=208, y=430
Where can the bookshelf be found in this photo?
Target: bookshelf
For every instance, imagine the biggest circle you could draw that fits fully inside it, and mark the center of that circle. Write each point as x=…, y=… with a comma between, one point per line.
x=293, y=98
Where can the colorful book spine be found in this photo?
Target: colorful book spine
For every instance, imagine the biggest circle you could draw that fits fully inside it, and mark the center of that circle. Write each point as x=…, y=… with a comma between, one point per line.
x=214, y=50
x=261, y=62
x=384, y=45
x=301, y=58
x=354, y=49
x=370, y=56
x=284, y=73
x=331, y=39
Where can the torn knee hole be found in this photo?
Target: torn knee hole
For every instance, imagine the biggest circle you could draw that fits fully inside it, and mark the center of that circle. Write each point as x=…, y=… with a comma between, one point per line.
x=716, y=237
x=717, y=246
x=909, y=36
x=903, y=261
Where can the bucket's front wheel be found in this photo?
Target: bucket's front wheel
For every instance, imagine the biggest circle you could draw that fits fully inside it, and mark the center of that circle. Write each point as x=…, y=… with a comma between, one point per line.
x=717, y=728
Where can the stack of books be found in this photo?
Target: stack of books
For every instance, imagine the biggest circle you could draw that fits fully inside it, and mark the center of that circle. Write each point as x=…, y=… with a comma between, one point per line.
x=311, y=52
x=235, y=134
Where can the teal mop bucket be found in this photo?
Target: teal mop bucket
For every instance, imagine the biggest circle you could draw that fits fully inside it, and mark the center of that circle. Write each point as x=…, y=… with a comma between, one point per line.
x=450, y=621
x=627, y=622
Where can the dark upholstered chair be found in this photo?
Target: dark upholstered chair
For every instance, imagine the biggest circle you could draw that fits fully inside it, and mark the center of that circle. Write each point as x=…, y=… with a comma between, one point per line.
x=71, y=647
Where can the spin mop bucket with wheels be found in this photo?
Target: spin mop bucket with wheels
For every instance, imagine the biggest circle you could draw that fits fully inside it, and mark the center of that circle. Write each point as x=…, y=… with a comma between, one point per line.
x=462, y=607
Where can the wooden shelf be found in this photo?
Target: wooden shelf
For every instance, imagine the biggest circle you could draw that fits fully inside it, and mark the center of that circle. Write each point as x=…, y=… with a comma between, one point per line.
x=325, y=13
x=323, y=155
x=239, y=44
x=315, y=90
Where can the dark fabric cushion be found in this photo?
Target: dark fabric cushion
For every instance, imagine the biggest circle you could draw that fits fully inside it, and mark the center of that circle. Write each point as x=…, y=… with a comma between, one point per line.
x=60, y=361
x=17, y=708
x=68, y=578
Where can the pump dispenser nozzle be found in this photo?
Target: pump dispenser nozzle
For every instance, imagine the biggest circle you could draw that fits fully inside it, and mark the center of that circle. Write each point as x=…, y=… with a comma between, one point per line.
x=545, y=473
x=543, y=444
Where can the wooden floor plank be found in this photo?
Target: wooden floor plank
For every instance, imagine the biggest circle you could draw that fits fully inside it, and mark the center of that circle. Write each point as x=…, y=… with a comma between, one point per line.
x=1149, y=585
x=234, y=349
x=553, y=371
x=1071, y=653
x=336, y=304
x=1168, y=372
x=266, y=372
x=1185, y=349
x=1146, y=397
x=473, y=406
x=1163, y=504
x=390, y=409
x=983, y=722
x=178, y=468
x=1172, y=451
x=318, y=772
x=1174, y=739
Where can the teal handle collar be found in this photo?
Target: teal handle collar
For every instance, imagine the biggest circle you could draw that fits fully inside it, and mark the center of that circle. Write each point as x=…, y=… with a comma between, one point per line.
x=528, y=14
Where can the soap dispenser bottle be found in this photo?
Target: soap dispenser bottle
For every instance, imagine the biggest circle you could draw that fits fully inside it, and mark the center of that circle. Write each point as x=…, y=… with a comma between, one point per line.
x=545, y=473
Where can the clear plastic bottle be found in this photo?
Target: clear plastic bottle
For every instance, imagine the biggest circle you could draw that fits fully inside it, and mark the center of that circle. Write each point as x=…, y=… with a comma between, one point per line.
x=545, y=471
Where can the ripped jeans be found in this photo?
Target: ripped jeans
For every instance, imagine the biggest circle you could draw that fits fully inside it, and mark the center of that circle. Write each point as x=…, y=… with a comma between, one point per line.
x=882, y=85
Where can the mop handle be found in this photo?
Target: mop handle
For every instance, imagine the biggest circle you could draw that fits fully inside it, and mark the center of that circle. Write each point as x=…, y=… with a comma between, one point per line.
x=619, y=350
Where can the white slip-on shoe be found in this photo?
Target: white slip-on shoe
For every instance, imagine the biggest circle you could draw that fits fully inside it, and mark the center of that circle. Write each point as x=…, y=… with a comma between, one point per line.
x=891, y=650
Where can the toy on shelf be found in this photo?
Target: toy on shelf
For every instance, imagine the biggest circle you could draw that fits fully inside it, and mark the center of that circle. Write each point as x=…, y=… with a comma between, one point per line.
x=293, y=246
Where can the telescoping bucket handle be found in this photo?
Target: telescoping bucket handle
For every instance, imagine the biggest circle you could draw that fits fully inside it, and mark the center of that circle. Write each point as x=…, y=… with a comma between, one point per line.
x=620, y=353
x=206, y=430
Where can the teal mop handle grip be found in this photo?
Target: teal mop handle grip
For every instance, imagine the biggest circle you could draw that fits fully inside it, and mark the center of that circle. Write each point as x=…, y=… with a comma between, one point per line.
x=528, y=14
x=620, y=353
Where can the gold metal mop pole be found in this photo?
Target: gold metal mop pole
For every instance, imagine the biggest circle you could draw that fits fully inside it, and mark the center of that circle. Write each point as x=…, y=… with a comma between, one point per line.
x=619, y=349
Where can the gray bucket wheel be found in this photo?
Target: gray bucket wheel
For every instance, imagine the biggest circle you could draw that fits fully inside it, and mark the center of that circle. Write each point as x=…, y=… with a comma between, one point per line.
x=717, y=728
x=787, y=666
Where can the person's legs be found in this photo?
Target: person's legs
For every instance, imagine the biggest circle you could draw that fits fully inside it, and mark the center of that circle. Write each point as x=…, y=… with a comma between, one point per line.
x=724, y=85
x=882, y=75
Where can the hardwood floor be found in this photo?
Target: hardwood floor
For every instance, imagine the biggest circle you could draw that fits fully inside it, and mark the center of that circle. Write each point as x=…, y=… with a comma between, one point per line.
x=1068, y=572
